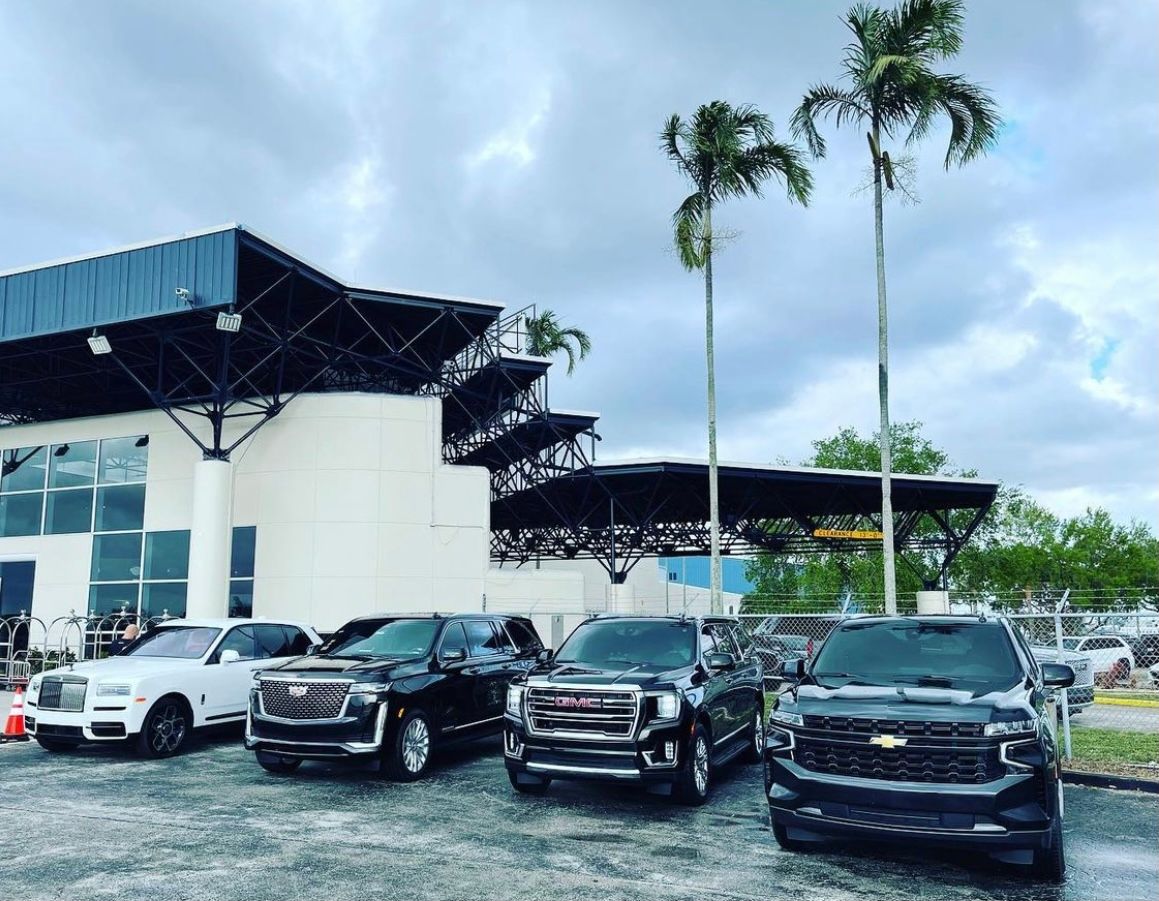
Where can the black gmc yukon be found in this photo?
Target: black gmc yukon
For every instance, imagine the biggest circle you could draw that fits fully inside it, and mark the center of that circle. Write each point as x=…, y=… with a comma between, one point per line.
x=655, y=701
x=395, y=688
x=922, y=730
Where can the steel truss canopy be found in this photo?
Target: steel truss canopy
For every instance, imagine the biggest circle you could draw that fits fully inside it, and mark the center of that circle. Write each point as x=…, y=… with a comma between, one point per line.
x=618, y=513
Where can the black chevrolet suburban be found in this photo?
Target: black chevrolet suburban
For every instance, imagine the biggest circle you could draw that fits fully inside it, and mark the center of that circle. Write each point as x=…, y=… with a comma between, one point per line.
x=395, y=688
x=655, y=701
x=929, y=730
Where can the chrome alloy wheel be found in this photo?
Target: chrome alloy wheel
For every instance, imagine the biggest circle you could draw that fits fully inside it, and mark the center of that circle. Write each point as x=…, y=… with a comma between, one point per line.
x=759, y=733
x=416, y=745
x=700, y=765
x=167, y=730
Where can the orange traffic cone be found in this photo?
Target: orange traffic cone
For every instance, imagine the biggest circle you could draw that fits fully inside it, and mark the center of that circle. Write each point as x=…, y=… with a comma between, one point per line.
x=14, y=727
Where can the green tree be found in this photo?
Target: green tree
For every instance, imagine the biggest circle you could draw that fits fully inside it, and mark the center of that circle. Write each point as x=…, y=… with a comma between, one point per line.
x=725, y=152
x=546, y=336
x=892, y=88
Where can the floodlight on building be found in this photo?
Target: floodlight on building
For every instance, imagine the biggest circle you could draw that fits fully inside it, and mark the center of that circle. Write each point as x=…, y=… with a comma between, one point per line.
x=61, y=451
x=229, y=322
x=183, y=294
x=99, y=344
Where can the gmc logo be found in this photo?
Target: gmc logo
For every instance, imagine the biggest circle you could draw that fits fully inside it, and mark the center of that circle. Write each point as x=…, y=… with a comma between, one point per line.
x=585, y=703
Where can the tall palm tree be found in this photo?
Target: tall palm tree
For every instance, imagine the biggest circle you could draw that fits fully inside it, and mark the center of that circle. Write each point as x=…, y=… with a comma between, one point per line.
x=546, y=336
x=892, y=88
x=725, y=152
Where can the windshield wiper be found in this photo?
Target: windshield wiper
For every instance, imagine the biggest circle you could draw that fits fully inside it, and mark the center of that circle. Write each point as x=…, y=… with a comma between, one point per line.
x=939, y=681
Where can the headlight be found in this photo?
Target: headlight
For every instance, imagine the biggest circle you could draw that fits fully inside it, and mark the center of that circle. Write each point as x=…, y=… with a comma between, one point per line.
x=114, y=690
x=515, y=698
x=369, y=688
x=34, y=685
x=667, y=705
x=785, y=718
x=1015, y=727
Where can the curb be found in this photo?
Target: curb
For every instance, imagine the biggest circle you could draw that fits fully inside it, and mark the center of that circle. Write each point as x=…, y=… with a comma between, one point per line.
x=1125, y=702
x=1122, y=783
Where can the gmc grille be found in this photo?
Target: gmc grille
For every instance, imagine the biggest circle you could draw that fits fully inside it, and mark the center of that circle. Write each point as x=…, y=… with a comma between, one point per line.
x=321, y=700
x=593, y=712
x=57, y=694
x=850, y=724
x=921, y=764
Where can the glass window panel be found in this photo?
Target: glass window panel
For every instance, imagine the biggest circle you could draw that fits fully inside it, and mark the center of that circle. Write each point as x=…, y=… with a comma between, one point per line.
x=124, y=459
x=120, y=508
x=116, y=558
x=22, y=468
x=72, y=465
x=20, y=514
x=161, y=598
x=105, y=600
x=241, y=597
x=167, y=555
x=241, y=640
x=69, y=511
x=242, y=555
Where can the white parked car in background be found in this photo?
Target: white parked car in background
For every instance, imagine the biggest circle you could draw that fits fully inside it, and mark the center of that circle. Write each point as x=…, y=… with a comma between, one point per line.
x=1109, y=654
x=178, y=676
x=1082, y=694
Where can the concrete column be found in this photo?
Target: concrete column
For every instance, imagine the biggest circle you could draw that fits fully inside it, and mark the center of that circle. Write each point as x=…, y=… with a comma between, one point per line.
x=933, y=602
x=622, y=599
x=210, y=537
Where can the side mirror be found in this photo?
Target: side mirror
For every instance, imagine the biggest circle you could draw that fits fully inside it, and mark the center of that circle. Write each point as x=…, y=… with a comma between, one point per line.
x=544, y=656
x=1057, y=675
x=229, y=655
x=454, y=655
x=312, y=650
x=793, y=670
x=720, y=661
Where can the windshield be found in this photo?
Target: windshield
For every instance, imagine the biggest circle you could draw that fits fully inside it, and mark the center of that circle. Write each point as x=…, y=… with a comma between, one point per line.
x=401, y=638
x=184, y=642
x=1071, y=644
x=968, y=655
x=624, y=644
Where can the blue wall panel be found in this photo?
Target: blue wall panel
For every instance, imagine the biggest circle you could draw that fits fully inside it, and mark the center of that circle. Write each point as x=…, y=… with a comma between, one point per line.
x=118, y=287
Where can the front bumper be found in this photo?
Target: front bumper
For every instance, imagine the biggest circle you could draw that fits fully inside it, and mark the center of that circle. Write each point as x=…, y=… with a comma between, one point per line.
x=653, y=758
x=113, y=719
x=1014, y=812
x=357, y=734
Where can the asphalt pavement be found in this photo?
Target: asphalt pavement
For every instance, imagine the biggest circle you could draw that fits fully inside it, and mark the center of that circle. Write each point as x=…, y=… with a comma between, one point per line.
x=1115, y=716
x=210, y=824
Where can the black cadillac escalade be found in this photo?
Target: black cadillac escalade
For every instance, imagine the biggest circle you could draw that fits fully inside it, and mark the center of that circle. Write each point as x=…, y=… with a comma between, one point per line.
x=922, y=730
x=395, y=688
x=656, y=701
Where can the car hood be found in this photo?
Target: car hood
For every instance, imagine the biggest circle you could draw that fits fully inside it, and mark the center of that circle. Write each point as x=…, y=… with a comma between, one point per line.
x=319, y=664
x=909, y=703
x=572, y=675
x=124, y=667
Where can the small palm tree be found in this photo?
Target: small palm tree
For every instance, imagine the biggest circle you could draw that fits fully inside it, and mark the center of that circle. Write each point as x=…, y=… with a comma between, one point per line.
x=546, y=336
x=725, y=152
x=893, y=89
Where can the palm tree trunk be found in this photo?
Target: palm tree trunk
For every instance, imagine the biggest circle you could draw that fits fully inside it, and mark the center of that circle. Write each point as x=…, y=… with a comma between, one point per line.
x=883, y=385
x=716, y=598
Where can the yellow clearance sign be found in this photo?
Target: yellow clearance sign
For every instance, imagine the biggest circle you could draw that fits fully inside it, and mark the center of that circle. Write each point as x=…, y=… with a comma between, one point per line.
x=844, y=533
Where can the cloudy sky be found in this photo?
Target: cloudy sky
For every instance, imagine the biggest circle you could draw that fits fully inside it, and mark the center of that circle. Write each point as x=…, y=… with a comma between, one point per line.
x=509, y=151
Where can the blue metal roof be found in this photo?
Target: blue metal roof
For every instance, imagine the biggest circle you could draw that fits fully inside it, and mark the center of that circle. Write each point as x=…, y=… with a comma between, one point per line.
x=120, y=286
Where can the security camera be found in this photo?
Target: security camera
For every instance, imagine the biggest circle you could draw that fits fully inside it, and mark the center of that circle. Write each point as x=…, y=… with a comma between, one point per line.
x=183, y=294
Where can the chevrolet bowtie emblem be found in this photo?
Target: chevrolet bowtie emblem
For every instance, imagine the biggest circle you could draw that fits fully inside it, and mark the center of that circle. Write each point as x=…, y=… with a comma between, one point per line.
x=889, y=741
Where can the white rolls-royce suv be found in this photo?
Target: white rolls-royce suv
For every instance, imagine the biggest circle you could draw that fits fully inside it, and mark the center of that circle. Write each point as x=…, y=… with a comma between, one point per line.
x=176, y=677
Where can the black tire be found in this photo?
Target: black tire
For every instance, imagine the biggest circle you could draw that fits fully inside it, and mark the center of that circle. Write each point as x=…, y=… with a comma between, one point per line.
x=166, y=728
x=539, y=787
x=56, y=745
x=755, y=749
x=1050, y=863
x=781, y=834
x=407, y=756
x=694, y=780
x=276, y=763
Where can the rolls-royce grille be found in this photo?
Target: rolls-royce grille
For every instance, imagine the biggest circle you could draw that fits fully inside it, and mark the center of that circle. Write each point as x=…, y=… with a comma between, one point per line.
x=57, y=694
x=849, y=724
x=920, y=764
x=596, y=712
x=299, y=700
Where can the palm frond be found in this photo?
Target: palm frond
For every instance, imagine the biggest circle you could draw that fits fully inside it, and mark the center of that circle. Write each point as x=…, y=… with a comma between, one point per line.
x=820, y=102
x=975, y=120
x=581, y=339
x=688, y=226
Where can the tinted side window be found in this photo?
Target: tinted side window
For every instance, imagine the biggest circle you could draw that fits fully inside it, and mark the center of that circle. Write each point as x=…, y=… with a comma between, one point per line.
x=707, y=641
x=525, y=638
x=297, y=641
x=505, y=642
x=453, y=639
x=241, y=640
x=272, y=641
x=482, y=639
x=724, y=642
